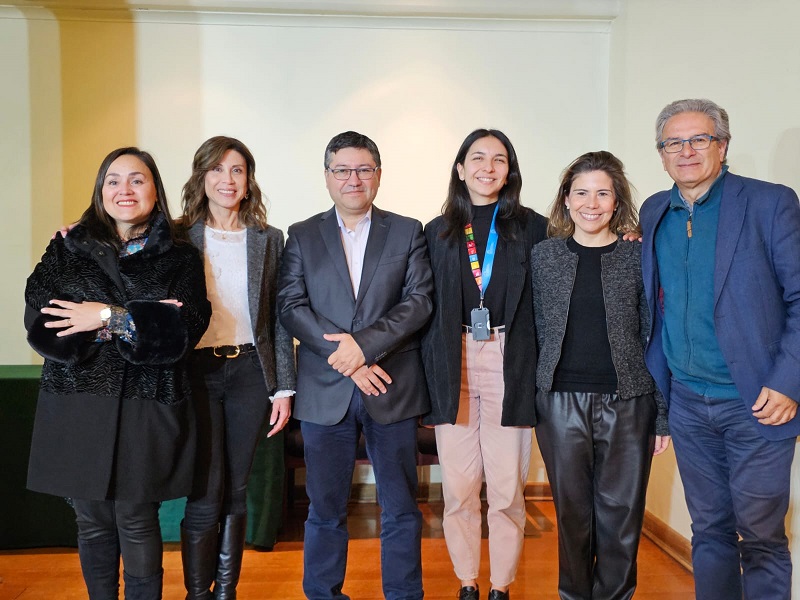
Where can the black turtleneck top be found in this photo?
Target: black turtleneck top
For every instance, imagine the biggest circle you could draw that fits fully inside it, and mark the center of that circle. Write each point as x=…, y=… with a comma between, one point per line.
x=495, y=295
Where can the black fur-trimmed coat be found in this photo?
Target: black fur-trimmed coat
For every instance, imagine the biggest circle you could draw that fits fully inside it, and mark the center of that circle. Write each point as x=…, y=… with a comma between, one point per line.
x=115, y=420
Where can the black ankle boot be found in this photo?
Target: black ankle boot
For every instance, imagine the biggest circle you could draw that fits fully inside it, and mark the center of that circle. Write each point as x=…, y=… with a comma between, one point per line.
x=199, y=557
x=100, y=566
x=143, y=588
x=498, y=595
x=232, y=530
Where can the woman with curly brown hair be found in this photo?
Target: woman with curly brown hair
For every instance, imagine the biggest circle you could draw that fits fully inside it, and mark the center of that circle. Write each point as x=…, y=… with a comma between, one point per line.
x=243, y=362
x=600, y=417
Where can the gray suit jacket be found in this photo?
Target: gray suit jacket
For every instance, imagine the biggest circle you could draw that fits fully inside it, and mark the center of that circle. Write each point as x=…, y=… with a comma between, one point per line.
x=394, y=302
x=274, y=346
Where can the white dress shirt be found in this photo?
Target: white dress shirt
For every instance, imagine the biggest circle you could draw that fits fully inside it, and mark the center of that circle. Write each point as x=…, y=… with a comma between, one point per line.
x=354, y=242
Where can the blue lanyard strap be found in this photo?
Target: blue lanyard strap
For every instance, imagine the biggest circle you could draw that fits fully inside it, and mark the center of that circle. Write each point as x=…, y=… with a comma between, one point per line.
x=482, y=276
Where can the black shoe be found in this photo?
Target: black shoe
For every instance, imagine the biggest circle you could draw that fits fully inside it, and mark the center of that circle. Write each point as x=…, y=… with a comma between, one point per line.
x=468, y=593
x=498, y=595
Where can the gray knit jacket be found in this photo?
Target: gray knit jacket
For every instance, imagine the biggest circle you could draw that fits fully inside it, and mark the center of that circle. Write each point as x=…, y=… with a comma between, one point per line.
x=553, y=269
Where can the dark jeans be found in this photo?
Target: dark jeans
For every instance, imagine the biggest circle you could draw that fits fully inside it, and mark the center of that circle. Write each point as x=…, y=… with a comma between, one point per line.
x=597, y=450
x=736, y=484
x=135, y=528
x=232, y=403
x=330, y=454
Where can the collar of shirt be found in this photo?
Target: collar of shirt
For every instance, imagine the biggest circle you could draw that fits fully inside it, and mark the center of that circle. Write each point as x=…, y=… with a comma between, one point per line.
x=367, y=218
x=678, y=201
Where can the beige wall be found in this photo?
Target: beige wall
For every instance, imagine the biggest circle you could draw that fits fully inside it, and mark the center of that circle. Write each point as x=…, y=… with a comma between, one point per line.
x=94, y=80
x=742, y=55
x=14, y=156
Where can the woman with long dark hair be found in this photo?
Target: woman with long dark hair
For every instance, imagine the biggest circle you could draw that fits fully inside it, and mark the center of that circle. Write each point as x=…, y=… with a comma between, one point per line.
x=479, y=353
x=114, y=307
x=243, y=362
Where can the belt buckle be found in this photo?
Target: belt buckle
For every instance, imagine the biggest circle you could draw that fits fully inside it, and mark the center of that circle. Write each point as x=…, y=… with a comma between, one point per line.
x=235, y=353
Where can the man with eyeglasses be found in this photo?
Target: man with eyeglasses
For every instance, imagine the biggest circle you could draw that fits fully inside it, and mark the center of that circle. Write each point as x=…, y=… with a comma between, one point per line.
x=355, y=289
x=721, y=267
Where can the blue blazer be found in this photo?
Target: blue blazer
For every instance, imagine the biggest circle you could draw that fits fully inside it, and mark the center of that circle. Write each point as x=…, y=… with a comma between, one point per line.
x=756, y=291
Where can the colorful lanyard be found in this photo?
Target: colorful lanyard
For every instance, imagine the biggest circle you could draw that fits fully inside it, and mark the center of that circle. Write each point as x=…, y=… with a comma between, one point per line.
x=485, y=274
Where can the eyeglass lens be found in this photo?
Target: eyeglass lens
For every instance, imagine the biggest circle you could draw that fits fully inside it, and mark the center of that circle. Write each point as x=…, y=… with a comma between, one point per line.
x=363, y=173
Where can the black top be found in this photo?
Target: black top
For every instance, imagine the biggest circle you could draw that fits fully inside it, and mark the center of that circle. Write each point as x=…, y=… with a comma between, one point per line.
x=585, y=364
x=495, y=297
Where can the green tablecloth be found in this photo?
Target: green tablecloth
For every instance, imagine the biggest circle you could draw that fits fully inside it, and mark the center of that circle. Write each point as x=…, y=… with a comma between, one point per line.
x=29, y=519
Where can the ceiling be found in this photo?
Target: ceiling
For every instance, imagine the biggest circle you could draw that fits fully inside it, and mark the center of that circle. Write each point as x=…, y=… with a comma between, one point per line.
x=511, y=9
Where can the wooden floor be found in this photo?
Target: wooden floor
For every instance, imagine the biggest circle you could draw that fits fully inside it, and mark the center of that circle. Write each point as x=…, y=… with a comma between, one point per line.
x=54, y=574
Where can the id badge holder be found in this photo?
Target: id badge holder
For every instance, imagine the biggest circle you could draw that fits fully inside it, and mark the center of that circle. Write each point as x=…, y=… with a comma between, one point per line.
x=480, y=324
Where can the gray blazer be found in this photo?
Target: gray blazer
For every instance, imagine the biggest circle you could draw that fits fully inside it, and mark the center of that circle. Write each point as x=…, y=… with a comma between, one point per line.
x=274, y=345
x=394, y=302
x=553, y=269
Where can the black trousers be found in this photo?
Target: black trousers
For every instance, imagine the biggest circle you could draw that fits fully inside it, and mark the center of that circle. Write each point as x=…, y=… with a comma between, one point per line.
x=232, y=403
x=134, y=526
x=597, y=450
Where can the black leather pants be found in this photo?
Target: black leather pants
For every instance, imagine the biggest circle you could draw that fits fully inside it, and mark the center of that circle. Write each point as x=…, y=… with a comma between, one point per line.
x=108, y=528
x=597, y=450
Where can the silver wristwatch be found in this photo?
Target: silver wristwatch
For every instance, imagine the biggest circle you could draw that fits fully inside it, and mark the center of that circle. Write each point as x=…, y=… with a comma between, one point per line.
x=105, y=316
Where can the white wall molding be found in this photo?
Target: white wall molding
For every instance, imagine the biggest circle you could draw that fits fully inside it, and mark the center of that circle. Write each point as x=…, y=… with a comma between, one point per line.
x=513, y=9
x=331, y=21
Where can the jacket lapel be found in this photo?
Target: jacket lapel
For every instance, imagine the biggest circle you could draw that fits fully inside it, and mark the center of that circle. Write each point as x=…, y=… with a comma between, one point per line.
x=197, y=236
x=329, y=230
x=256, y=249
x=515, y=251
x=732, y=210
x=649, y=265
x=451, y=267
x=378, y=232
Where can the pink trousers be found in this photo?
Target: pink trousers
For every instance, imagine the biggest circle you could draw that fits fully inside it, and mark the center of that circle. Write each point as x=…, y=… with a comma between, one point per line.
x=475, y=446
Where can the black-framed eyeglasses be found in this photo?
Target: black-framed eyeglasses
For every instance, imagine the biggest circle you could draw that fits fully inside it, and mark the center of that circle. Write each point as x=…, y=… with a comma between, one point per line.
x=697, y=142
x=363, y=173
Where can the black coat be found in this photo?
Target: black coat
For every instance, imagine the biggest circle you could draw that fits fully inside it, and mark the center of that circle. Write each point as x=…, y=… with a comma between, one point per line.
x=441, y=344
x=115, y=420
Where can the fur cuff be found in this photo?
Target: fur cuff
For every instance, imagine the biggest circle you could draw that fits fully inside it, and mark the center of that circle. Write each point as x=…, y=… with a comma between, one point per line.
x=70, y=349
x=161, y=336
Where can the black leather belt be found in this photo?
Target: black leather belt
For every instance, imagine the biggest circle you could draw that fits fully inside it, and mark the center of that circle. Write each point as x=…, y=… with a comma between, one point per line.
x=227, y=351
